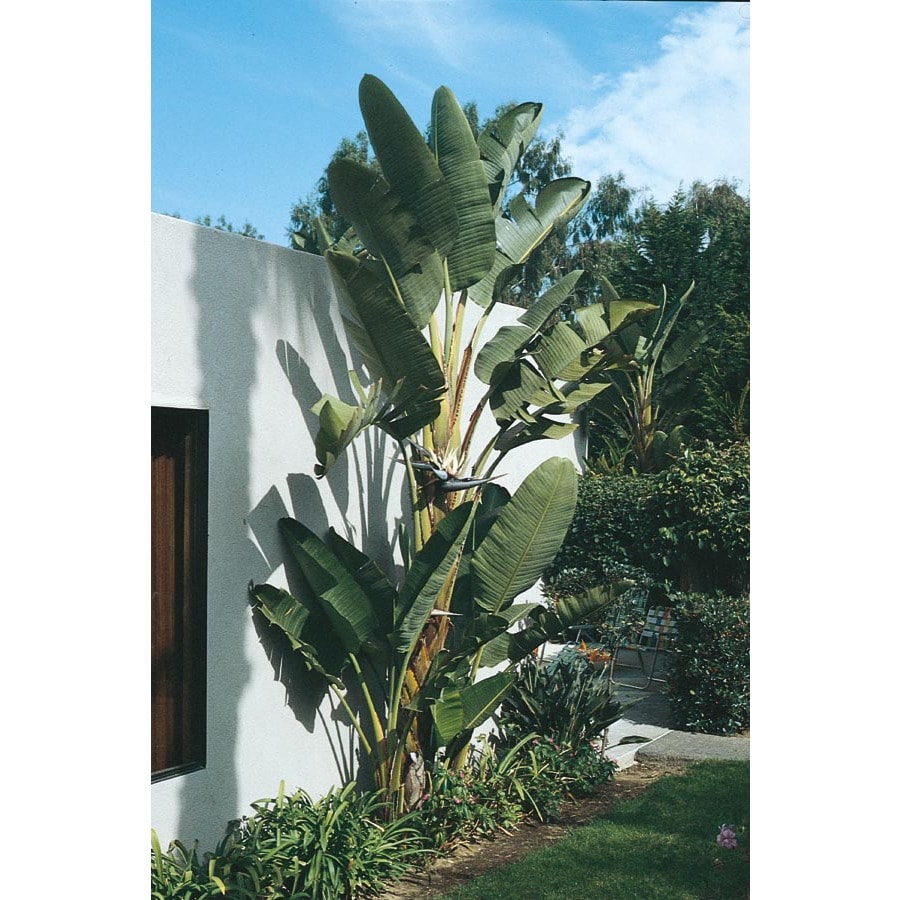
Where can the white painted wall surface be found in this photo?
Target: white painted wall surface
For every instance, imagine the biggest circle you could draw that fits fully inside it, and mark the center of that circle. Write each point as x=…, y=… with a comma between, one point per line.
x=252, y=332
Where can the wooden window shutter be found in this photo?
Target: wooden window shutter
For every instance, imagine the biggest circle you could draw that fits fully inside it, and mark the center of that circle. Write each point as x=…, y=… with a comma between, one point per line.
x=178, y=476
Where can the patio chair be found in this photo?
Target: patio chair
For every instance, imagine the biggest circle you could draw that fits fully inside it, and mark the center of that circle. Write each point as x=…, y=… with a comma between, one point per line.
x=658, y=635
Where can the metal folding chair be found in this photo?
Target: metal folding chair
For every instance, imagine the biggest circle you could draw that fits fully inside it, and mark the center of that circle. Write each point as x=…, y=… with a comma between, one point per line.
x=658, y=635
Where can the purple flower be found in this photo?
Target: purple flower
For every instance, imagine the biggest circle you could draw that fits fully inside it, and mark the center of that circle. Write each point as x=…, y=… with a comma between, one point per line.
x=726, y=838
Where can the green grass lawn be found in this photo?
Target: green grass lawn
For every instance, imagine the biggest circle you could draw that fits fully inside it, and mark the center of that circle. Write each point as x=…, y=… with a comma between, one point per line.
x=662, y=844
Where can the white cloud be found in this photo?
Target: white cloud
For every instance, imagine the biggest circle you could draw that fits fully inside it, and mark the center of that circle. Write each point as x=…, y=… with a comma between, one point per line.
x=470, y=44
x=682, y=118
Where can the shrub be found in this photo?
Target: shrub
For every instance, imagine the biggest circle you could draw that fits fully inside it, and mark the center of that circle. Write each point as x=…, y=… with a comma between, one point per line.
x=495, y=791
x=338, y=847
x=567, y=700
x=581, y=768
x=709, y=677
x=701, y=510
x=548, y=724
x=540, y=774
x=610, y=530
x=534, y=776
x=467, y=803
x=688, y=525
x=179, y=874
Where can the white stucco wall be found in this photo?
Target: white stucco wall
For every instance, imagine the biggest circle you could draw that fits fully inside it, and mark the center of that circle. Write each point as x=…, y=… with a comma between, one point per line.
x=252, y=332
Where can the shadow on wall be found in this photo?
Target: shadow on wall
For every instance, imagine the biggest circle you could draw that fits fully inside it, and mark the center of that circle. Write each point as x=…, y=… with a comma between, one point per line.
x=360, y=483
x=227, y=359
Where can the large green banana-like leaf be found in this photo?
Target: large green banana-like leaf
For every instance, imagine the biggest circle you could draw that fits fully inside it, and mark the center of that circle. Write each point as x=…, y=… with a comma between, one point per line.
x=484, y=628
x=493, y=498
x=609, y=290
x=283, y=610
x=525, y=228
x=624, y=312
x=482, y=698
x=511, y=340
x=550, y=301
x=369, y=576
x=502, y=146
x=481, y=627
x=340, y=423
x=576, y=394
x=386, y=227
x=559, y=349
x=501, y=349
x=403, y=258
x=592, y=363
x=517, y=386
x=548, y=625
x=666, y=323
x=402, y=355
x=360, y=340
x=526, y=536
x=448, y=715
x=520, y=235
x=408, y=164
x=679, y=351
x=298, y=623
x=543, y=626
x=499, y=650
x=421, y=288
x=428, y=575
x=347, y=606
x=591, y=321
x=464, y=708
x=458, y=158
x=521, y=433
x=407, y=413
x=575, y=609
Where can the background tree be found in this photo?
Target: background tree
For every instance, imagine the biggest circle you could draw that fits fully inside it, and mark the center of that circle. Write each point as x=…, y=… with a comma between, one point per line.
x=222, y=224
x=315, y=220
x=702, y=236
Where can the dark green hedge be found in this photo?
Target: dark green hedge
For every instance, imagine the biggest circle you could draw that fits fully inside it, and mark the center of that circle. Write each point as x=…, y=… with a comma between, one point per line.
x=700, y=507
x=688, y=526
x=709, y=673
x=610, y=534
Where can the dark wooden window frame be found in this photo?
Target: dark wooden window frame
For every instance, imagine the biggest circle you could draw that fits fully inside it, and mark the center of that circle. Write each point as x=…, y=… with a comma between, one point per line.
x=179, y=522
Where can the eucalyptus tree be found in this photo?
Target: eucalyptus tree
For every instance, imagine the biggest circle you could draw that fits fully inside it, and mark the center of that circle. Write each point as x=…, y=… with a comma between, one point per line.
x=701, y=237
x=222, y=224
x=434, y=239
x=315, y=220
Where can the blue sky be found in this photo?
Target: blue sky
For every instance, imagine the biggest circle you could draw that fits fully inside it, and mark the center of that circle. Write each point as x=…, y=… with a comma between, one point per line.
x=249, y=100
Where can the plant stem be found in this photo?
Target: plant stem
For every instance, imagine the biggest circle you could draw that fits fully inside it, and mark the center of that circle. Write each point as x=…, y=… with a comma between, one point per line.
x=377, y=728
x=448, y=317
x=418, y=532
x=353, y=720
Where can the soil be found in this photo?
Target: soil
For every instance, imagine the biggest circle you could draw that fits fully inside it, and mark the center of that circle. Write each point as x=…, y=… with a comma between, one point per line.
x=444, y=874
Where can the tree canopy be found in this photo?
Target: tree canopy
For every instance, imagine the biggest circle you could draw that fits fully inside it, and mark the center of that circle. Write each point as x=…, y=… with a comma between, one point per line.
x=222, y=224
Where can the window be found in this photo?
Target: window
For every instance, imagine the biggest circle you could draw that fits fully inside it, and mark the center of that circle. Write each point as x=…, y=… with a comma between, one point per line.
x=178, y=478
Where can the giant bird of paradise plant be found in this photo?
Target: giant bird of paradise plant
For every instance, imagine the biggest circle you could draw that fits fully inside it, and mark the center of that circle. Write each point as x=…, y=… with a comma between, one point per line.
x=637, y=354
x=431, y=235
